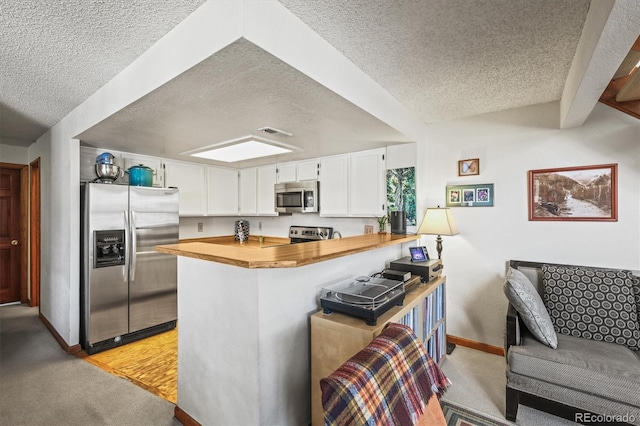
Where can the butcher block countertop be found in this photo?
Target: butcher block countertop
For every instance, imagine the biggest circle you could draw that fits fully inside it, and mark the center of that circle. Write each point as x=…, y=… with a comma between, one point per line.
x=274, y=252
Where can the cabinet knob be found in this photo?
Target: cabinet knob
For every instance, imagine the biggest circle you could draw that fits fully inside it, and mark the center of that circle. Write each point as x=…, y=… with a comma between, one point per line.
x=14, y=242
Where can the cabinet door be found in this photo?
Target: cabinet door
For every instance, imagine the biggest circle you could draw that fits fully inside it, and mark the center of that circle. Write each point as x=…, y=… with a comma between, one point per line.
x=286, y=172
x=248, y=191
x=266, y=196
x=307, y=170
x=190, y=179
x=367, y=188
x=334, y=181
x=222, y=191
x=153, y=163
x=87, y=163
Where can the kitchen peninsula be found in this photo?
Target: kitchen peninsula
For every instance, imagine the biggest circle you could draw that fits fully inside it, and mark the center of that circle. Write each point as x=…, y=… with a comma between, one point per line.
x=243, y=315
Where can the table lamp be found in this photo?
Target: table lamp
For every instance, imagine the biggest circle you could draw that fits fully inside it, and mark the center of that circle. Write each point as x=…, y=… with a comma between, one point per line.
x=438, y=222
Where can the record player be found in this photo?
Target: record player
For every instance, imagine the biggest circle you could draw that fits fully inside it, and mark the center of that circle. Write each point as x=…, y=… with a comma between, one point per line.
x=362, y=297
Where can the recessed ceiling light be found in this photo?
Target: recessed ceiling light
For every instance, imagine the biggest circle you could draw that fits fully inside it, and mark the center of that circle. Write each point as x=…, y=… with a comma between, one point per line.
x=244, y=148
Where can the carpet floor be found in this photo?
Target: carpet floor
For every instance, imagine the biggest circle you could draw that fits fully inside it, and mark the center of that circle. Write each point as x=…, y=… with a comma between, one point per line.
x=479, y=383
x=41, y=385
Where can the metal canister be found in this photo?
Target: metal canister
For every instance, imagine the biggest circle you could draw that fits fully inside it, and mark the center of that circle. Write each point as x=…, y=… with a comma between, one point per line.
x=242, y=230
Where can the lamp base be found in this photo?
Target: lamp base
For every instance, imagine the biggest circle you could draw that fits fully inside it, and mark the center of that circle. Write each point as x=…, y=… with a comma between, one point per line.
x=439, y=246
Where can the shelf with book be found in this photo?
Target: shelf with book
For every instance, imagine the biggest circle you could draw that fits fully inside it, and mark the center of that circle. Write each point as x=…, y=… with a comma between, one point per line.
x=337, y=337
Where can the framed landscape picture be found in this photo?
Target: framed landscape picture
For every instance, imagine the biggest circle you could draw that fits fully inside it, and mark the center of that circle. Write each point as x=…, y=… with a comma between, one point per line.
x=584, y=193
x=470, y=195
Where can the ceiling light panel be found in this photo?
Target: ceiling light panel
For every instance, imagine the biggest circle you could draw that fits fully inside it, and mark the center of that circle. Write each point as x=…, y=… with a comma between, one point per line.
x=240, y=149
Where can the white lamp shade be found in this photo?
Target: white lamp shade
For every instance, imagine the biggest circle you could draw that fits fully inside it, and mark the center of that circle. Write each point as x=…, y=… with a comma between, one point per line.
x=438, y=222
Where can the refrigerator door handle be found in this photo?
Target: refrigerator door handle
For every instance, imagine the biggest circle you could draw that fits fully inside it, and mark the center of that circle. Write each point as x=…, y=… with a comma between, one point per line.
x=134, y=245
x=125, y=267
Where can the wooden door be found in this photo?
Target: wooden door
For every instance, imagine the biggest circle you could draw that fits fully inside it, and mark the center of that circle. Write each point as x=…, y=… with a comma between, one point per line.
x=10, y=233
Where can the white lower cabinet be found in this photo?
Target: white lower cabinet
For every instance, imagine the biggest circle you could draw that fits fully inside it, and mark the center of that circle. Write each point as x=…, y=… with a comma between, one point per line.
x=190, y=179
x=222, y=191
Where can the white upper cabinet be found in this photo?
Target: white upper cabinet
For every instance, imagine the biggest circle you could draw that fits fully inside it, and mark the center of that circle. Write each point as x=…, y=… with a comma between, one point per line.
x=367, y=183
x=286, y=172
x=190, y=179
x=353, y=184
x=87, y=163
x=222, y=191
x=297, y=171
x=334, y=182
x=266, y=202
x=154, y=163
x=307, y=170
x=248, y=191
x=256, y=191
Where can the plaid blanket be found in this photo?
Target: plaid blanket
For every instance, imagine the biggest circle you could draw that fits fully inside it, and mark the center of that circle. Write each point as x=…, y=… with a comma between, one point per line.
x=387, y=383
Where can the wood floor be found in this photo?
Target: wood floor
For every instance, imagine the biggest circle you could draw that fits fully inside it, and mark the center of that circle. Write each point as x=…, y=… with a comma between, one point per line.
x=151, y=363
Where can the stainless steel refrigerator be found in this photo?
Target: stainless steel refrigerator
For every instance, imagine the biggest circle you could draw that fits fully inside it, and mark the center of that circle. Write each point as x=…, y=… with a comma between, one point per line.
x=128, y=290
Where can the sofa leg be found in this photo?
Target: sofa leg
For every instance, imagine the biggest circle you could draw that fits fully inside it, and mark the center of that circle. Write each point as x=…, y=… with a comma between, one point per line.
x=512, y=402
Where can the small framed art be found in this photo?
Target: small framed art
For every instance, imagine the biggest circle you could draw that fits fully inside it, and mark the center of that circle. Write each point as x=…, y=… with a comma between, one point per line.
x=469, y=167
x=470, y=195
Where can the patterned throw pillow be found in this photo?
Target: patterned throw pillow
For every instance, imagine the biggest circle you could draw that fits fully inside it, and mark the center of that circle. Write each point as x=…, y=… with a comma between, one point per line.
x=525, y=298
x=596, y=304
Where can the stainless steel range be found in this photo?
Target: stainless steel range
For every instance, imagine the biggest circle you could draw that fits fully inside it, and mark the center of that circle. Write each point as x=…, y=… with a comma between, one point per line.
x=305, y=234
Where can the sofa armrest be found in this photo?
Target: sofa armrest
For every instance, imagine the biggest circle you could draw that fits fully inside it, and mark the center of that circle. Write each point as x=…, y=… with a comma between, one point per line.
x=512, y=332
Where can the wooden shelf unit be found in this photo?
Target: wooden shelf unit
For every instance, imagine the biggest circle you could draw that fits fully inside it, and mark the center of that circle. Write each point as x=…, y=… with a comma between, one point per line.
x=336, y=337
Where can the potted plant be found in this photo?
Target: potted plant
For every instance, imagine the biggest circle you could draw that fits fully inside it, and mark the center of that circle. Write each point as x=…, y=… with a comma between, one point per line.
x=382, y=224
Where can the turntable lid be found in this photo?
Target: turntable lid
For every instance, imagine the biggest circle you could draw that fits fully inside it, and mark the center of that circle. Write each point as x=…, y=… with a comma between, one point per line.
x=363, y=288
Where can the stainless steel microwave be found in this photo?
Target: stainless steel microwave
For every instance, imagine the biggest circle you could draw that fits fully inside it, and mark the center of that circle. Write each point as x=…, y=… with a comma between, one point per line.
x=297, y=197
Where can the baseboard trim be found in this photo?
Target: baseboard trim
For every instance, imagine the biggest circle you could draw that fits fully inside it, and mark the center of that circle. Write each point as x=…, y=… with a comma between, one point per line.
x=467, y=343
x=71, y=350
x=184, y=418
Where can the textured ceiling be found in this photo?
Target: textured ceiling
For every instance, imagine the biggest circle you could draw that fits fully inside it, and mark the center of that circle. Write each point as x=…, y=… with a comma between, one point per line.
x=234, y=93
x=446, y=59
x=55, y=53
x=442, y=59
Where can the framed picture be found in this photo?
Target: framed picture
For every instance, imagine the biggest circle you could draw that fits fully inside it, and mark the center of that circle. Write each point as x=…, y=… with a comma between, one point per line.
x=470, y=195
x=584, y=193
x=469, y=167
x=401, y=192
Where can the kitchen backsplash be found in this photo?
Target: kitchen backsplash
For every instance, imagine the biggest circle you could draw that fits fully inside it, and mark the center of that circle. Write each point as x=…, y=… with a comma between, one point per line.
x=272, y=226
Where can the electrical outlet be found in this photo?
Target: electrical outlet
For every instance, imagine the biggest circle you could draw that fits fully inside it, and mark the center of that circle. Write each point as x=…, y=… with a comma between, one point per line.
x=259, y=226
x=368, y=229
x=200, y=226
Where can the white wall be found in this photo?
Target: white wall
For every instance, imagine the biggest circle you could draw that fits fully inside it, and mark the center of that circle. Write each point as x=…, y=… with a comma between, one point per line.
x=509, y=144
x=13, y=154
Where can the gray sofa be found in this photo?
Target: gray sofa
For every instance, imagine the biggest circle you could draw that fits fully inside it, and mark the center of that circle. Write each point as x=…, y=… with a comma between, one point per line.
x=586, y=378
